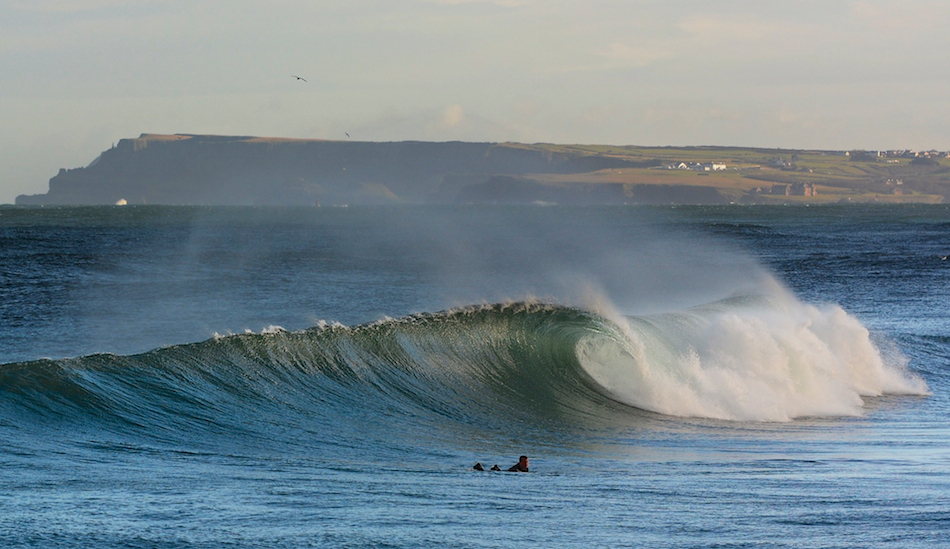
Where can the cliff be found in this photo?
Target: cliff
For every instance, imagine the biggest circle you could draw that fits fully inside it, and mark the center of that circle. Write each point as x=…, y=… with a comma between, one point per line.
x=217, y=170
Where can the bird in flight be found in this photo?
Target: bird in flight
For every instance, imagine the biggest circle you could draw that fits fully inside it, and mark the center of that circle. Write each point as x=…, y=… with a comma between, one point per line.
x=298, y=77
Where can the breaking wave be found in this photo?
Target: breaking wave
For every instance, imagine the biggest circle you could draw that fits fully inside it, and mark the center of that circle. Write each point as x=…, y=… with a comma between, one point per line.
x=750, y=358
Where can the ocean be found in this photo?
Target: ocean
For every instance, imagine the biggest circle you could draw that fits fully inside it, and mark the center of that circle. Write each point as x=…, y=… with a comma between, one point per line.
x=702, y=376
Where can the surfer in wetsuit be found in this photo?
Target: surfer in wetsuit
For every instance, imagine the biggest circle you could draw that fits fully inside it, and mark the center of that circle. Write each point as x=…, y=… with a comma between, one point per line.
x=521, y=466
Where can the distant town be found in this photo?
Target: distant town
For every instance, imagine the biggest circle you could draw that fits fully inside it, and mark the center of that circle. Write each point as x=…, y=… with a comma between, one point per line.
x=894, y=186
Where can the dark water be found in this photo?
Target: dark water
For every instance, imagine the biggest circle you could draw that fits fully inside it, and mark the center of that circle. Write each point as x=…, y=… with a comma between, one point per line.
x=680, y=377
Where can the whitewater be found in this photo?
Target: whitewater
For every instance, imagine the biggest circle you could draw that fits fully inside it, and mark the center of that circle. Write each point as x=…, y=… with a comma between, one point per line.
x=727, y=376
x=753, y=358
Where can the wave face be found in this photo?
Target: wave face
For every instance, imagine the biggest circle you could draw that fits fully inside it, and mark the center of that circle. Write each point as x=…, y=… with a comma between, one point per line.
x=490, y=367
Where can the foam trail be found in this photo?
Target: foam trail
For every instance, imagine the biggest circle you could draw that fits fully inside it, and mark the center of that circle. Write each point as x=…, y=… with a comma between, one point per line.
x=758, y=358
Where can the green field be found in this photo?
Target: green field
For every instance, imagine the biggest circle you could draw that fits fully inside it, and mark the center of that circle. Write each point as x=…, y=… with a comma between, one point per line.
x=751, y=173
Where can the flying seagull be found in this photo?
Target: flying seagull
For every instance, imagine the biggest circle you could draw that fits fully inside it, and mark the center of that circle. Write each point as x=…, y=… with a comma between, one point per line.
x=298, y=77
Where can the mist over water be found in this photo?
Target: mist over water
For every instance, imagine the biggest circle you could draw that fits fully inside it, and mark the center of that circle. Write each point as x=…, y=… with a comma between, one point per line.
x=587, y=259
x=127, y=280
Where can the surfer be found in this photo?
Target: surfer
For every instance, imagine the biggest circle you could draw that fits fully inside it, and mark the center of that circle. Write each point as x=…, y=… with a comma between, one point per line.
x=478, y=467
x=521, y=466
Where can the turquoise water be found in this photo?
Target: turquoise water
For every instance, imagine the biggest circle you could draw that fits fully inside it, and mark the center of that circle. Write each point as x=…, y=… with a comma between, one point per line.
x=679, y=377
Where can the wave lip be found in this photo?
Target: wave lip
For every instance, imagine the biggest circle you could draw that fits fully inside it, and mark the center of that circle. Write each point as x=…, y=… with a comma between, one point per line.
x=752, y=358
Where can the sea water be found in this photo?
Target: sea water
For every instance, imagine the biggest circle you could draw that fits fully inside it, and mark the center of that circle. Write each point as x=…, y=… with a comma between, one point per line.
x=327, y=377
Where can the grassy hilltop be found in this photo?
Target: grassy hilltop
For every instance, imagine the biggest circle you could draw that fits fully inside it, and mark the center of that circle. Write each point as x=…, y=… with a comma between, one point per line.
x=751, y=173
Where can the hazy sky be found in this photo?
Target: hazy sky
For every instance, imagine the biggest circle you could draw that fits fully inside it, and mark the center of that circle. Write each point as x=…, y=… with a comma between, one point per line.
x=78, y=75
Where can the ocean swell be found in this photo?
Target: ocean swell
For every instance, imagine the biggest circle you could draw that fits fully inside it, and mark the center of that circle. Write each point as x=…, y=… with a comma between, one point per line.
x=491, y=366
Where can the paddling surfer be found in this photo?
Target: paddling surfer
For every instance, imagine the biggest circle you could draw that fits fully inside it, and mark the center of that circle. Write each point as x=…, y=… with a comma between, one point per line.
x=521, y=466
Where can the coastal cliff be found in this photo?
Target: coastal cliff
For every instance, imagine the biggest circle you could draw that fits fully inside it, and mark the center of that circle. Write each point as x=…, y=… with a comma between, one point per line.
x=217, y=170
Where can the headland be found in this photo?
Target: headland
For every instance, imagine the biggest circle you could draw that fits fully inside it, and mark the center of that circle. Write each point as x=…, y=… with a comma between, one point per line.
x=184, y=169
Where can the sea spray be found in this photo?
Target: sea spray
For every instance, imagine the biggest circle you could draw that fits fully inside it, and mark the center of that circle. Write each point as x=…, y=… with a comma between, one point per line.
x=755, y=358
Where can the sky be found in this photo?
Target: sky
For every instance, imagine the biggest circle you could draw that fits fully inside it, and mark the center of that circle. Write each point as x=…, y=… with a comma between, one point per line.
x=78, y=75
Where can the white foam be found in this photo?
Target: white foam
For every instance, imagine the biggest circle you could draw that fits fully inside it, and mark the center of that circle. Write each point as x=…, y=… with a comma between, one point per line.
x=764, y=359
x=267, y=330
